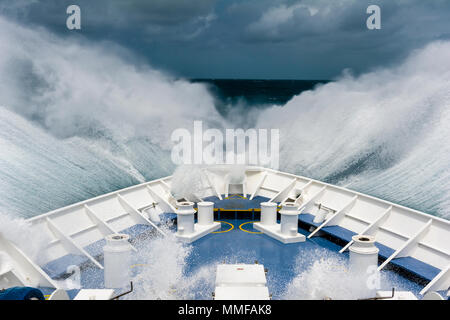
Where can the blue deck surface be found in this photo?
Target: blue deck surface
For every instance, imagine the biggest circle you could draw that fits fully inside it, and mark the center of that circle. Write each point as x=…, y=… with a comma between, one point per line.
x=237, y=202
x=408, y=264
x=282, y=260
x=238, y=242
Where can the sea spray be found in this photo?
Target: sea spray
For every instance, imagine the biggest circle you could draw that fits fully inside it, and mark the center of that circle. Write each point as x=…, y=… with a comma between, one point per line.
x=324, y=274
x=189, y=182
x=18, y=231
x=161, y=272
x=80, y=120
x=381, y=133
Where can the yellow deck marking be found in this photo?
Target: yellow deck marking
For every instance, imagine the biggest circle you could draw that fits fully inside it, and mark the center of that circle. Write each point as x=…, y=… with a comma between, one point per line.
x=138, y=265
x=235, y=195
x=232, y=227
x=240, y=227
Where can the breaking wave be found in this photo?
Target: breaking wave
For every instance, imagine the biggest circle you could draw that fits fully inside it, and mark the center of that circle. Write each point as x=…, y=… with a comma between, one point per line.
x=384, y=133
x=79, y=119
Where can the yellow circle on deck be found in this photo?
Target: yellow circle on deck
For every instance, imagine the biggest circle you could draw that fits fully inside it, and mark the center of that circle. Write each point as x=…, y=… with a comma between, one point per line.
x=138, y=265
x=231, y=228
x=255, y=232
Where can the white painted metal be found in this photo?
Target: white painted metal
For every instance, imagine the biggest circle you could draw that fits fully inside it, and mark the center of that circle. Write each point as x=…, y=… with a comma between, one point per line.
x=189, y=231
x=213, y=186
x=289, y=219
x=241, y=282
x=372, y=226
x=401, y=252
x=268, y=213
x=185, y=218
x=241, y=293
x=333, y=219
x=287, y=230
x=440, y=282
x=16, y=269
x=95, y=294
x=363, y=254
x=117, y=261
x=136, y=214
x=205, y=213
x=69, y=243
x=284, y=192
x=240, y=275
x=59, y=294
x=258, y=185
x=397, y=227
x=398, y=295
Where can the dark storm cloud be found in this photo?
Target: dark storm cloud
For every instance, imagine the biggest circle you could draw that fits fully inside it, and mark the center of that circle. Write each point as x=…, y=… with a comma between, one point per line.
x=113, y=12
x=251, y=38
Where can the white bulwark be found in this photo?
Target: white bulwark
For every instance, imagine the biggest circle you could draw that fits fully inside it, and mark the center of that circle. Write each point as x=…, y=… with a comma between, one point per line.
x=416, y=241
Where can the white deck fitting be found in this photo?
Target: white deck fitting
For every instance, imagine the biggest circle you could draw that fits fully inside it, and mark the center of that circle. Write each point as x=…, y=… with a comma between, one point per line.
x=242, y=293
x=199, y=232
x=398, y=295
x=287, y=230
x=440, y=282
x=241, y=282
x=240, y=275
x=95, y=294
x=335, y=216
x=274, y=231
x=404, y=230
x=16, y=269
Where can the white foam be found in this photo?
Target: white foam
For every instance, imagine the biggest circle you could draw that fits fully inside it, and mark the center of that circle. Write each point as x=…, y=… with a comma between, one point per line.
x=162, y=272
x=388, y=127
x=19, y=232
x=323, y=274
x=84, y=120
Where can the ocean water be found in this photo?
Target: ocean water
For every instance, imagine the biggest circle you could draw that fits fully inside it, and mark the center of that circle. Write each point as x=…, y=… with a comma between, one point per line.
x=80, y=119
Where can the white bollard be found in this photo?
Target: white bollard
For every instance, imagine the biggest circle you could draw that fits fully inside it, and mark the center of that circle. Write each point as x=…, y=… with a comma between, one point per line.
x=364, y=263
x=289, y=219
x=205, y=213
x=185, y=218
x=117, y=261
x=363, y=254
x=268, y=213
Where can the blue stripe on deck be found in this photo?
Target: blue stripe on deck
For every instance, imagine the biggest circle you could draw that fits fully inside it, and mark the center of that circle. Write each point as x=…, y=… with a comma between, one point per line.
x=416, y=267
x=339, y=232
x=410, y=264
x=58, y=267
x=385, y=252
x=308, y=219
x=235, y=202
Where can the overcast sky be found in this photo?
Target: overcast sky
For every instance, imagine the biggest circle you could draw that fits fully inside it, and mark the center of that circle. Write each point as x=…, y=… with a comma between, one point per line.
x=249, y=39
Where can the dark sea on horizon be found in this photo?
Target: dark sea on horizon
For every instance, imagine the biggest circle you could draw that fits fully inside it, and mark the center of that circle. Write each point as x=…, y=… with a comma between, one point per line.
x=256, y=92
